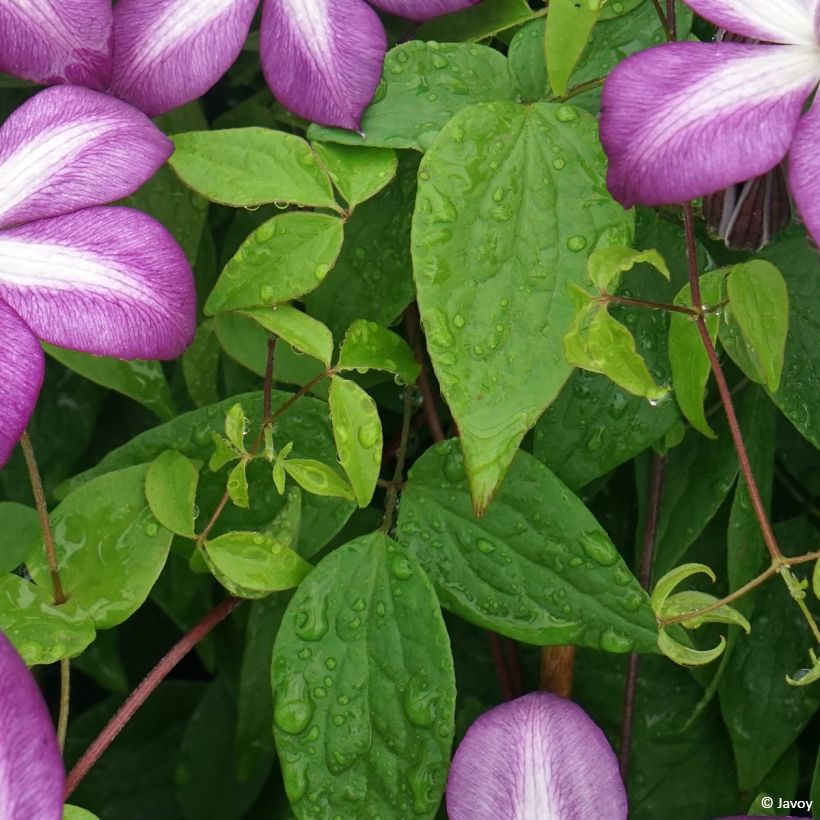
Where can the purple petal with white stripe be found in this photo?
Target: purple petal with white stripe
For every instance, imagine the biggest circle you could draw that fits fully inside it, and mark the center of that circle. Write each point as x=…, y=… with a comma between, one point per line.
x=21, y=374
x=537, y=756
x=110, y=281
x=57, y=41
x=780, y=21
x=804, y=170
x=31, y=769
x=686, y=119
x=323, y=58
x=169, y=52
x=422, y=9
x=69, y=148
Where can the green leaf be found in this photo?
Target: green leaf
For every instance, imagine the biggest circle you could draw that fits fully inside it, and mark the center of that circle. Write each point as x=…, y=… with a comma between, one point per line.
x=245, y=167
x=20, y=526
x=357, y=430
x=685, y=655
x=41, y=632
x=283, y=259
x=170, y=488
x=476, y=22
x=759, y=305
x=238, y=485
x=252, y=565
x=536, y=567
x=569, y=25
x=224, y=453
x=527, y=61
x=422, y=87
x=200, y=365
x=691, y=600
x=486, y=211
x=815, y=579
x=358, y=173
x=368, y=346
x=302, y=332
x=318, y=478
x=675, y=577
x=110, y=548
x=596, y=341
x=364, y=690
x=142, y=381
x=285, y=527
x=236, y=426
x=76, y=813
x=606, y=265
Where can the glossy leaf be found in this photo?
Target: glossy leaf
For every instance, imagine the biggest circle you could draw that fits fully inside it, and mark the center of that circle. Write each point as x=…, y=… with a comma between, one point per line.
x=685, y=655
x=368, y=346
x=283, y=259
x=245, y=167
x=759, y=306
x=236, y=426
x=20, y=526
x=486, y=210
x=238, y=485
x=41, y=632
x=569, y=24
x=665, y=585
x=476, y=22
x=317, y=478
x=302, y=332
x=606, y=265
x=170, y=488
x=358, y=173
x=252, y=565
x=527, y=61
x=536, y=567
x=682, y=602
x=363, y=710
x=423, y=85
x=110, y=548
x=357, y=430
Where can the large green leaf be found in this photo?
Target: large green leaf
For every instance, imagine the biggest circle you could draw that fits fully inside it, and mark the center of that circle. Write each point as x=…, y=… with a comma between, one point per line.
x=368, y=346
x=537, y=566
x=357, y=172
x=422, y=87
x=493, y=254
x=364, y=690
x=246, y=167
x=20, y=526
x=110, y=548
x=476, y=22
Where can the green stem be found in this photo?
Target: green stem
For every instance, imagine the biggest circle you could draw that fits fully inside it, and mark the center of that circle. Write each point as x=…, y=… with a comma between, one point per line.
x=65, y=697
x=643, y=303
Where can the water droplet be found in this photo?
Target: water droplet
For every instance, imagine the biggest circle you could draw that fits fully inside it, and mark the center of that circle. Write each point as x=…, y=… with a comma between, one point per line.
x=293, y=707
x=485, y=546
x=566, y=113
x=311, y=621
x=599, y=548
x=577, y=243
x=558, y=163
x=419, y=702
x=400, y=567
x=458, y=320
x=613, y=641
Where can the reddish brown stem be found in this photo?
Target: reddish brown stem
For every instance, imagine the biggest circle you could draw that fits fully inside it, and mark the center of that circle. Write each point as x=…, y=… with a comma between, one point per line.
x=725, y=392
x=505, y=680
x=557, y=670
x=151, y=681
x=414, y=336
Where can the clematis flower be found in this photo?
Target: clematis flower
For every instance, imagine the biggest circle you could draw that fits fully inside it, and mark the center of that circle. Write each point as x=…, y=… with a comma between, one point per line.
x=31, y=768
x=684, y=120
x=322, y=58
x=104, y=280
x=539, y=757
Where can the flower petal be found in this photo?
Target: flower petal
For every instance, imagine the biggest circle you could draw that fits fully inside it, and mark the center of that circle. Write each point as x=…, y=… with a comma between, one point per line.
x=775, y=21
x=57, y=41
x=110, y=281
x=68, y=148
x=537, y=756
x=169, y=52
x=687, y=119
x=323, y=58
x=422, y=9
x=804, y=170
x=21, y=373
x=31, y=769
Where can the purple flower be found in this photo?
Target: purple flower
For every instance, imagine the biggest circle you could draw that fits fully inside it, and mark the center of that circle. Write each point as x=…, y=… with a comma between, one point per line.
x=683, y=120
x=321, y=58
x=105, y=280
x=31, y=769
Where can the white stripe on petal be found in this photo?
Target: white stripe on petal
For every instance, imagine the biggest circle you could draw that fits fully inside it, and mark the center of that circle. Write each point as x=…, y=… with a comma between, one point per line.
x=777, y=21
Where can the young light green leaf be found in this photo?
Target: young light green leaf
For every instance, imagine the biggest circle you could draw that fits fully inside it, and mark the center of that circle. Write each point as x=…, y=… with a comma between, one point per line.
x=357, y=430
x=605, y=265
x=759, y=306
x=41, y=632
x=238, y=485
x=283, y=259
x=685, y=655
x=279, y=477
x=110, y=548
x=598, y=342
x=569, y=25
x=236, y=426
x=224, y=453
x=245, y=167
x=363, y=655
x=20, y=526
x=284, y=529
x=357, y=172
x=368, y=346
x=536, y=566
x=687, y=355
x=252, y=565
x=318, y=478
x=665, y=585
x=76, y=813
x=303, y=332
x=682, y=602
x=806, y=676
x=487, y=208
x=170, y=488
x=815, y=579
